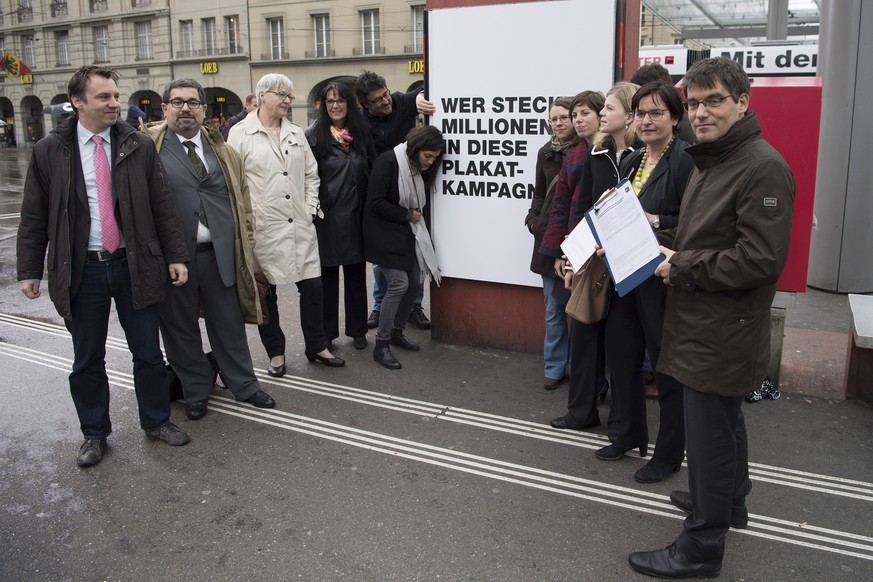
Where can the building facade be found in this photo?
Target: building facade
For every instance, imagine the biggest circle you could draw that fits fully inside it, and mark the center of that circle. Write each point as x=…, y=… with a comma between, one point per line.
x=226, y=47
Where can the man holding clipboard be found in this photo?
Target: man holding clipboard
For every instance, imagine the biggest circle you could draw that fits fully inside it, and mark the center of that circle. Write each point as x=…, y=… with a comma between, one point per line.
x=722, y=264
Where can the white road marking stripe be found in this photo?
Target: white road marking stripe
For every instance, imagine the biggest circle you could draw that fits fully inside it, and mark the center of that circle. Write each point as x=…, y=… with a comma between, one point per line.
x=827, y=484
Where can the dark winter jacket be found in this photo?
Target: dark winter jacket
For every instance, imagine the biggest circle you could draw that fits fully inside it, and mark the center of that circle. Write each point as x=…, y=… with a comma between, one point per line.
x=537, y=219
x=561, y=214
x=344, y=175
x=731, y=246
x=662, y=192
x=599, y=175
x=55, y=215
x=388, y=238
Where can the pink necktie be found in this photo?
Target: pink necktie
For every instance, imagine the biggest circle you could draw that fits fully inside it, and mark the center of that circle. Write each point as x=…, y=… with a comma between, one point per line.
x=104, y=196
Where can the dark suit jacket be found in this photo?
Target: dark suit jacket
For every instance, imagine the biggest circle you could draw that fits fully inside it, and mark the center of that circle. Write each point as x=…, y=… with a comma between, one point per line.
x=188, y=191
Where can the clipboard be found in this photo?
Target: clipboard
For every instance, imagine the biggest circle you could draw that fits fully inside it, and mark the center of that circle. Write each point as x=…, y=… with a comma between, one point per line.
x=636, y=278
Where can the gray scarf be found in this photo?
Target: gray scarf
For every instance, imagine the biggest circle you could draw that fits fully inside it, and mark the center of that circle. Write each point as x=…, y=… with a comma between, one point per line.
x=412, y=195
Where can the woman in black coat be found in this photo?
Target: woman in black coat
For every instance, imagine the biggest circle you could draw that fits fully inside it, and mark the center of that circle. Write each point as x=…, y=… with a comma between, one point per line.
x=395, y=233
x=344, y=151
x=658, y=173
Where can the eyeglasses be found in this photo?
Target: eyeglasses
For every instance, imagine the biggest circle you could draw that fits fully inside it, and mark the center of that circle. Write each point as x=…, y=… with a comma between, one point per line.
x=281, y=95
x=191, y=103
x=335, y=102
x=386, y=96
x=654, y=114
x=559, y=119
x=709, y=102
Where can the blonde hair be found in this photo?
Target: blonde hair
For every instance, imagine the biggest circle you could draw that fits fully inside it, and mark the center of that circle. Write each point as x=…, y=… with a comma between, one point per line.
x=624, y=92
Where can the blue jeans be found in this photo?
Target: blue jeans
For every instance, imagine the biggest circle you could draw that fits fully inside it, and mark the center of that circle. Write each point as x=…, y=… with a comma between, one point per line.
x=380, y=284
x=556, y=345
x=89, y=385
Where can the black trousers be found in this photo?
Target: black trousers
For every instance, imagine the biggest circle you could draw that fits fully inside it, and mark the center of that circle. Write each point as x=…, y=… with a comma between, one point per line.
x=718, y=471
x=586, y=373
x=633, y=324
x=354, y=300
x=311, y=323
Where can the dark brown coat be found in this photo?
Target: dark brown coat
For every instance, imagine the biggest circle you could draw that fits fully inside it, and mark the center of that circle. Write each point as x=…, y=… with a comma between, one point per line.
x=55, y=215
x=548, y=165
x=731, y=246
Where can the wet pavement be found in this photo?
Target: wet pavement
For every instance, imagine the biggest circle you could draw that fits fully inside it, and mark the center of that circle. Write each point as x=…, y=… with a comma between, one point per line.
x=444, y=470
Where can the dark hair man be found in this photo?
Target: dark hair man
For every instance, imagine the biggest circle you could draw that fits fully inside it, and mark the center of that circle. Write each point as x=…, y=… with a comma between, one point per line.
x=251, y=105
x=209, y=185
x=722, y=266
x=97, y=196
x=390, y=116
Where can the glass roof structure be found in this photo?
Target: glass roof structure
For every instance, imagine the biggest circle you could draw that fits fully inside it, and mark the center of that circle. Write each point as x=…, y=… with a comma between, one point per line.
x=704, y=23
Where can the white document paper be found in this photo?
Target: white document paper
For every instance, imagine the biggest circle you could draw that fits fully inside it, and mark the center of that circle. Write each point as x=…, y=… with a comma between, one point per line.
x=624, y=232
x=579, y=245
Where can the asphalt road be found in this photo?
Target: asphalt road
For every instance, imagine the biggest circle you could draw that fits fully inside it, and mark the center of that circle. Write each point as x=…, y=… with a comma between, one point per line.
x=444, y=470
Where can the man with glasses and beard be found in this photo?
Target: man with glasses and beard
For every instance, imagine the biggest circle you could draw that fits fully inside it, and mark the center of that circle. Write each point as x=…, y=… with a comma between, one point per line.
x=209, y=187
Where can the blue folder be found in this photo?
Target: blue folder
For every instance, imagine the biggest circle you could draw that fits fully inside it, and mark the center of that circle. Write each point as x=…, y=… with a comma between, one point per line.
x=637, y=277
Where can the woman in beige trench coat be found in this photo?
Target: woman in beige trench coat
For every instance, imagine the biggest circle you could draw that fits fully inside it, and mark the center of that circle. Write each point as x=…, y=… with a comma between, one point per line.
x=283, y=184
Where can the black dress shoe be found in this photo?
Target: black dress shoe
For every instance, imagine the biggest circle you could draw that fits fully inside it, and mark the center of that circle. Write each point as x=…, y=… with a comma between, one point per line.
x=332, y=362
x=670, y=563
x=360, y=342
x=91, y=452
x=418, y=318
x=276, y=371
x=373, y=320
x=739, y=513
x=261, y=399
x=196, y=410
x=615, y=451
x=561, y=422
x=398, y=339
x=382, y=354
x=655, y=471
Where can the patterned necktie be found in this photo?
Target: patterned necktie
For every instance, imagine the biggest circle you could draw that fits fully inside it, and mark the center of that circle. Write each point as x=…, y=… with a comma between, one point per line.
x=201, y=175
x=109, y=228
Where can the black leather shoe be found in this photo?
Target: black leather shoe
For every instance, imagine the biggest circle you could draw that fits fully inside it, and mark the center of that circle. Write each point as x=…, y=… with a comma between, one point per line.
x=615, y=451
x=360, y=342
x=670, y=563
x=418, y=318
x=332, y=362
x=398, y=339
x=170, y=434
x=261, y=399
x=382, y=354
x=373, y=320
x=196, y=410
x=655, y=471
x=276, y=371
x=561, y=422
x=739, y=513
x=91, y=452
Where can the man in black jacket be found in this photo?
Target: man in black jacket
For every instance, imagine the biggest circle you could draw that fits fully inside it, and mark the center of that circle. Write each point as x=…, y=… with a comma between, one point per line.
x=97, y=198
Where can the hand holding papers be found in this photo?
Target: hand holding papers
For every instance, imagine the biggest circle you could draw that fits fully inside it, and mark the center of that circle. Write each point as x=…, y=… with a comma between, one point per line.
x=619, y=225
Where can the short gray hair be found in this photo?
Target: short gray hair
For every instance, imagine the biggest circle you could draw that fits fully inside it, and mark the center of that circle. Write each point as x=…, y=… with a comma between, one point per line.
x=273, y=82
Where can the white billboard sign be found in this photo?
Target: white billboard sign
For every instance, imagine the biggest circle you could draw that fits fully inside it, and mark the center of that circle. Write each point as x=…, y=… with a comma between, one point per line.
x=493, y=72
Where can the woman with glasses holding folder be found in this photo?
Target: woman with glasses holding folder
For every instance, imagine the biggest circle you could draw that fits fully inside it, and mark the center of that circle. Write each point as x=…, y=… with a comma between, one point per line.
x=658, y=173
